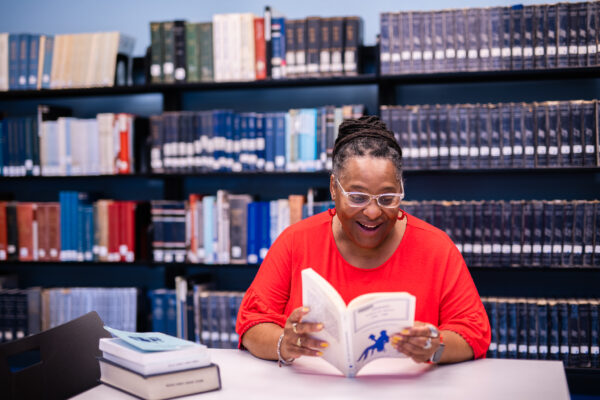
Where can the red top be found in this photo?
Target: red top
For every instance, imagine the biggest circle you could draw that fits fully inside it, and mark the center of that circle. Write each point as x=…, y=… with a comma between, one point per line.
x=426, y=264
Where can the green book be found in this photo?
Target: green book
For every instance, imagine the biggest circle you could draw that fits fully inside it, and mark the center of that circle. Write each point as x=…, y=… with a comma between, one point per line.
x=168, y=69
x=191, y=52
x=205, y=40
x=156, y=46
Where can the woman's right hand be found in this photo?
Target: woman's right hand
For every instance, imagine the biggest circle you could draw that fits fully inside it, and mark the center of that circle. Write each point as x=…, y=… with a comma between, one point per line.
x=296, y=340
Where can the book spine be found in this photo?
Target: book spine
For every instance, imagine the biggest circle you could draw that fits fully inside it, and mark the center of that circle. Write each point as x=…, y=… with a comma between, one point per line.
x=417, y=42
x=463, y=137
x=594, y=334
x=584, y=334
x=528, y=37
x=460, y=20
x=13, y=61
x=592, y=28
x=564, y=334
x=540, y=28
x=438, y=33
x=516, y=233
x=512, y=316
x=533, y=330
x=325, y=47
x=502, y=329
x=495, y=136
x=191, y=52
x=278, y=47
x=260, y=52
x=290, y=48
x=528, y=136
x=522, y=329
x=205, y=46
x=450, y=41
x=301, y=51
x=542, y=327
x=527, y=234
x=473, y=18
x=24, y=40
x=406, y=34
x=492, y=311
x=180, y=59
x=337, y=46
x=168, y=67
x=156, y=52
x=427, y=41
x=517, y=134
x=386, y=42
x=558, y=233
x=552, y=36
x=33, y=62
x=496, y=36
x=562, y=33
x=485, y=41
x=497, y=233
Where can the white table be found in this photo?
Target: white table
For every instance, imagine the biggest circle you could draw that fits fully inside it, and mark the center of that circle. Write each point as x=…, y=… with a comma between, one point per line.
x=246, y=377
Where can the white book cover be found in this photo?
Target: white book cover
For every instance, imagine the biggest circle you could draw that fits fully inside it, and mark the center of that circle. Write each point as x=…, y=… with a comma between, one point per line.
x=219, y=63
x=92, y=161
x=248, y=63
x=3, y=61
x=360, y=332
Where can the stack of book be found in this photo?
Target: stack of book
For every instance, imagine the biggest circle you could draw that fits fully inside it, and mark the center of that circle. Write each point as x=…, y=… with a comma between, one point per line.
x=156, y=375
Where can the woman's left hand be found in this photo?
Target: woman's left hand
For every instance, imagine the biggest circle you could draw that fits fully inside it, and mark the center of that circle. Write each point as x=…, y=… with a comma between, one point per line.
x=419, y=342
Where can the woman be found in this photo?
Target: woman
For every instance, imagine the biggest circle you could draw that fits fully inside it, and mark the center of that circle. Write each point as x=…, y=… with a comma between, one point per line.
x=366, y=244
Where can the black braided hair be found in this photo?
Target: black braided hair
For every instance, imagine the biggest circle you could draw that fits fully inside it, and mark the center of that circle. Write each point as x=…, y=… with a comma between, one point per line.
x=366, y=136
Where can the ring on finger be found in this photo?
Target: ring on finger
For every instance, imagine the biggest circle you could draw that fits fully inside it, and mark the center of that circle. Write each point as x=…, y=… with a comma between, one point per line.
x=294, y=325
x=434, y=332
x=299, y=342
x=427, y=344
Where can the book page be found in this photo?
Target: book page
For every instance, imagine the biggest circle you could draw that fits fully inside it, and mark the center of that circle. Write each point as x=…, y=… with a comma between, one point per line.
x=374, y=318
x=327, y=307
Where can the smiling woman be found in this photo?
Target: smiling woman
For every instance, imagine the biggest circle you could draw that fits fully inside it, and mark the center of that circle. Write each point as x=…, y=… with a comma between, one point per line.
x=366, y=244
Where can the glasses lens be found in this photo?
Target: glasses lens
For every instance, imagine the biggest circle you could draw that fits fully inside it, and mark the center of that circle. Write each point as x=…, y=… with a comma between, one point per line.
x=389, y=201
x=358, y=199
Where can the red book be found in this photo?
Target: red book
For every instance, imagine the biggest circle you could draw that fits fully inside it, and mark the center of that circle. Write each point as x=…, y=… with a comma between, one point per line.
x=260, y=49
x=27, y=228
x=128, y=238
x=3, y=233
x=53, y=226
x=42, y=232
x=125, y=158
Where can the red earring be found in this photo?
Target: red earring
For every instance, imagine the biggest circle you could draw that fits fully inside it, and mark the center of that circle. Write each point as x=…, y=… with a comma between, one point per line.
x=402, y=214
x=331, y=211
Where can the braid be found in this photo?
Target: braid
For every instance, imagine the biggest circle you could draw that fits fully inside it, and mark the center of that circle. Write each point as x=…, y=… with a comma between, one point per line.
x=366, y=136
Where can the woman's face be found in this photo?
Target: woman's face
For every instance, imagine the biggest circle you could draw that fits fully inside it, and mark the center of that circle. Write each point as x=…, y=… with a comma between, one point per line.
x=367, y=227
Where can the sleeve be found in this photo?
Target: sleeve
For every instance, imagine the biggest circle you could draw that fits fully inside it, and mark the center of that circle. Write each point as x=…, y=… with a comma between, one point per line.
x=461, y=310
x=266, y=298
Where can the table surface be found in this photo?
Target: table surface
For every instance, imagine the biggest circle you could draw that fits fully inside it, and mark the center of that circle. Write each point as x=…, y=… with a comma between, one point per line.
x=246, y=377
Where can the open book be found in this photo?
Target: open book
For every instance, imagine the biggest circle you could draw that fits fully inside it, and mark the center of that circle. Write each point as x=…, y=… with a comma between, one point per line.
x=361, y=332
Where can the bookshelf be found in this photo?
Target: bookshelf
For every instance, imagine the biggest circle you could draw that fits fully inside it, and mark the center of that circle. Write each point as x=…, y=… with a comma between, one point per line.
x=370, y=89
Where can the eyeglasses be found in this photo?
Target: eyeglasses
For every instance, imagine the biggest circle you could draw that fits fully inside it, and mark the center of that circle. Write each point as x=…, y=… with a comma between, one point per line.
x=385, y=200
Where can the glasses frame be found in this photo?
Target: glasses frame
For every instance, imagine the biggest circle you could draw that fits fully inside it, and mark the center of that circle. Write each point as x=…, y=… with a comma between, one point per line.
x=371, y=196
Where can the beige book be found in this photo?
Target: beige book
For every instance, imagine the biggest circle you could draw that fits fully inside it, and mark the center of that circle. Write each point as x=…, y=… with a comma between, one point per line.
x=3, y=62
x=101, y=233
x=91, y=73
x=106, y=127
x=41, y=57
x=56, y=61
x=66, y=72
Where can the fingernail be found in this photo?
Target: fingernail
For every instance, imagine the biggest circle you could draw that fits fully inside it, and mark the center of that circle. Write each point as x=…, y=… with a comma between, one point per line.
x=405, y=331
x=319, y=326
x=395, y=339
x=305, y=309
x=324, y=344
x=319, y=353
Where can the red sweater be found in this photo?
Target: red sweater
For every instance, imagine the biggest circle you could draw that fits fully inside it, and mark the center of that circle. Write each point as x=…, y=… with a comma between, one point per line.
x=426, y=264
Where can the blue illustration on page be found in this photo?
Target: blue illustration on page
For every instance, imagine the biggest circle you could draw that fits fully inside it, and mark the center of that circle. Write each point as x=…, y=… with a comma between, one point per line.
x=379, y=345
x=150, y=341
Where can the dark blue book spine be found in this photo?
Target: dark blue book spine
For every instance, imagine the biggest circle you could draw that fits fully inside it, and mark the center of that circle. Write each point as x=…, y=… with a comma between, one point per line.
x=433, y=128
x=554, y=330
x=385, y=43
x=413, y=136
x=240, y=142
x=592, y=33
x=278, y=46
x=473, y=18
x=424, y=161
x=450, y=41
x=252, y=150
x=558, y=233
x=512, y=316
x=493, y=317
x=427, y=41
x=542, y=326
x=477, y=229
x=506, y=134
x=528, y=136
x=497, y=233
x=577, y=133
x=438, y=33
x=485, y=137
x=34, y=59
x=460, y=21
x=540, y=28
x=260, y=141
x=495, y=136
x=502, y=329
x=578, y=233
x=463, y=137
x=157, y=305
x=541, y=134
x=537, y=240
x=563, y=314
x=269, y=124
x=468, y=211
x=13, y=61
x=588, y=233
x=453, y=136
x=444, y=143
x=473, y=136
x=458, y=234
x=485, y=42
x=21, y=318
x=528, y=33
x=496, y=36
x=396, y=44
x=527, y=237
x=584, y=334
x=506, y=234
x=553, y=133
x=548, y=234
x=562, y=33
x=573, y=358
x=170, y=312
x=552, y=35
x=582, y=35
x=47, y=67
x=533, y=330
x=572, y=34
x=506, y=25
x=568, y=234
x=522, y=329
x=518, y=157
x=589, y=133
x=516, y=250
x=406, y=34
x=594, y=334
x=596, y=228
x=24, y=40
x=565, y=137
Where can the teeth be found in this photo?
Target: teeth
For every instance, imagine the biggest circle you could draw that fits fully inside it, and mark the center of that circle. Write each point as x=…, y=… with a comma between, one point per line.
x=368, y=226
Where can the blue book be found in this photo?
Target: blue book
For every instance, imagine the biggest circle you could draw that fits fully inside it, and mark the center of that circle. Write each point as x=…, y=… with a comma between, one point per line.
x=24, y=40
x=522, y=329
x=171, y=312
x=280, y=141
x=228, y=141
x=574, y=335
x=239, y=141
x=34, y=60
x=308, y=139
x=502, y=328
x=252, y=155
x=253, y=232
x=218, y=155
x=542, y=329
x=512, y=328
x=563, y=314
x=208, y=204
x=157, y=306
x=48, y=55
x=385, y=55
x=13, y=61
x=278, y=48
x=269, y=124
x=261, y=157
x=264, y=220
x=594, y=334
x=584, y=333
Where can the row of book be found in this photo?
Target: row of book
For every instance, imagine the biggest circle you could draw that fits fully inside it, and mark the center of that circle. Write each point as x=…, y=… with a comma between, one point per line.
x=539, y=233
x=545, y=329
x=543, y=36
x=504, y=135
x=220, y=229
x=222, y=140
x=28, y=311
x=74, y=229
x=67, y=146
x=36, y=61
x=197, y=314
x=244, y=47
